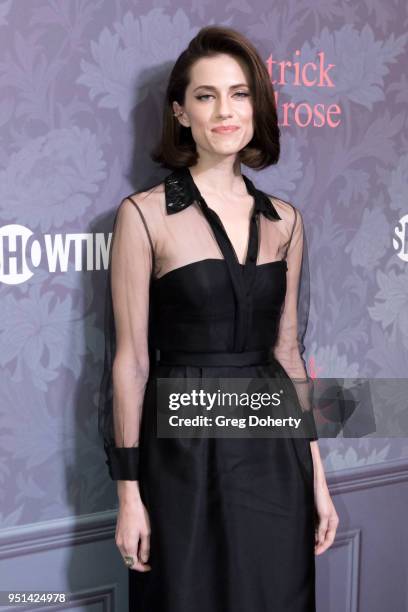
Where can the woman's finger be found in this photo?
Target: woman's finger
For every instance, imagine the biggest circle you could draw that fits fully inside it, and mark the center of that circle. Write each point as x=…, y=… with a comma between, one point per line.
x=326, y=534
x=137, y=564
x=144, y=547
x=320, y=534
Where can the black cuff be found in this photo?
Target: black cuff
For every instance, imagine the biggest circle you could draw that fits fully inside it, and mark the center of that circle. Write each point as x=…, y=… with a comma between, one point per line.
x=122, y=462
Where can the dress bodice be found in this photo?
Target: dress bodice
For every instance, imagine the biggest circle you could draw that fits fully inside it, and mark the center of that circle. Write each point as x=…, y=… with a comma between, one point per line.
x=197, y=308
x=218, y=304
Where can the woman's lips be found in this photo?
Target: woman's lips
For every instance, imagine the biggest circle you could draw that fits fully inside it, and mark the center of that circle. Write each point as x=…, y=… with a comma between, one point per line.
x=225, y=130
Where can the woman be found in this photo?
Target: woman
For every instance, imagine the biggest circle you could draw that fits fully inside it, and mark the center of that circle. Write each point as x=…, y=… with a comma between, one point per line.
x=204, y=277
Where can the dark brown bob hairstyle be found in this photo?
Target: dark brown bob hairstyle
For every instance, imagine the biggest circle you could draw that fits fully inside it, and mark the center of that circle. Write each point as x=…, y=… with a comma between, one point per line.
x=176, y=147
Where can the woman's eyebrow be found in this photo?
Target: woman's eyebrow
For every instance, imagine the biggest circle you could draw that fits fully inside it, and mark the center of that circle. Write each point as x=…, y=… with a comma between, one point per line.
x=215, y=89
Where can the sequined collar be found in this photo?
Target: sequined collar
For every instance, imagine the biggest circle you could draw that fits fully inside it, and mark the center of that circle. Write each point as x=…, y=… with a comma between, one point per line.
x=181, y=191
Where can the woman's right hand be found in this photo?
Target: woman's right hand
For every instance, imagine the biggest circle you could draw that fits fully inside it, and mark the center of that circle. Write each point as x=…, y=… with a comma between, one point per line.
x=132, y=527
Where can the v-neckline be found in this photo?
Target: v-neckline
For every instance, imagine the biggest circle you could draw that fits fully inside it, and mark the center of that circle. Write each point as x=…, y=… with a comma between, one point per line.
x=249, y=255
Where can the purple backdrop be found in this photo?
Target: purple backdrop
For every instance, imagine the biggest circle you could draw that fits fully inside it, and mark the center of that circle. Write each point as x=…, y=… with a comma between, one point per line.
x=82, y=84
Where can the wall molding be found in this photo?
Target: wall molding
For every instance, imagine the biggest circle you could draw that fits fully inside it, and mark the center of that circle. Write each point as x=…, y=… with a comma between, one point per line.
x=368, y=476
x=57, y=533
x=351, y=540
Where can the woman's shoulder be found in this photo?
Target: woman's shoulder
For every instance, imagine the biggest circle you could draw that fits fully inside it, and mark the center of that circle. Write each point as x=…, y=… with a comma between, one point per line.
x=150, y=196
x=286, y=210
x=150, y=202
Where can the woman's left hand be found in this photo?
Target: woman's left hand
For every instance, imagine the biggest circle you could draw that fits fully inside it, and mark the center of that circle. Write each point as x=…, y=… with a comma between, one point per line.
x=327, y=519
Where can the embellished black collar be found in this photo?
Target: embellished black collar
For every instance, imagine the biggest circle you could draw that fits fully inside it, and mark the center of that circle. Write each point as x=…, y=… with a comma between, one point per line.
x=181, y=191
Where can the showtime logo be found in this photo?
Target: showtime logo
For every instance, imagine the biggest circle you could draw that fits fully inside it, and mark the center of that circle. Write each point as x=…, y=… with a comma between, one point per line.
x=400, y=243
x=21, y=253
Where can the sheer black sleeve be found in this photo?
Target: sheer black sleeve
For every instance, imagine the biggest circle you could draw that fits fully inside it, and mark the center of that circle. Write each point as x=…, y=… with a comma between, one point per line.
x=290, y=346
x=126, y=360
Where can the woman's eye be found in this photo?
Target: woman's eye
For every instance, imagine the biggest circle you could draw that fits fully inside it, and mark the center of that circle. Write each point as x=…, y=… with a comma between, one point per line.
x=238, y=93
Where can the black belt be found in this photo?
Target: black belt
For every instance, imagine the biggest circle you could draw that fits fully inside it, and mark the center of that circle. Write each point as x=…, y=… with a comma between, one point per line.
x=244, y=358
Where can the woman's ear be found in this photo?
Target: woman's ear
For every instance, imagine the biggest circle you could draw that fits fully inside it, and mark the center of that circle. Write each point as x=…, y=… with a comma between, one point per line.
x=179, y=113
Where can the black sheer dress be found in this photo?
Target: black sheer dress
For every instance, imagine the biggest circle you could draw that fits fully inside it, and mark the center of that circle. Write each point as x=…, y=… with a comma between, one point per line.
x=232, y=520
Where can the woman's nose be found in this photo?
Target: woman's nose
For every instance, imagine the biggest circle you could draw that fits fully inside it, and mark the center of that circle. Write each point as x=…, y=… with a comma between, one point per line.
x=223, y=108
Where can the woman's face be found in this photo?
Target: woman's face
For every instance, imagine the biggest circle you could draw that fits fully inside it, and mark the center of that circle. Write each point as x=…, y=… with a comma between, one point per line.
x=218, y=95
